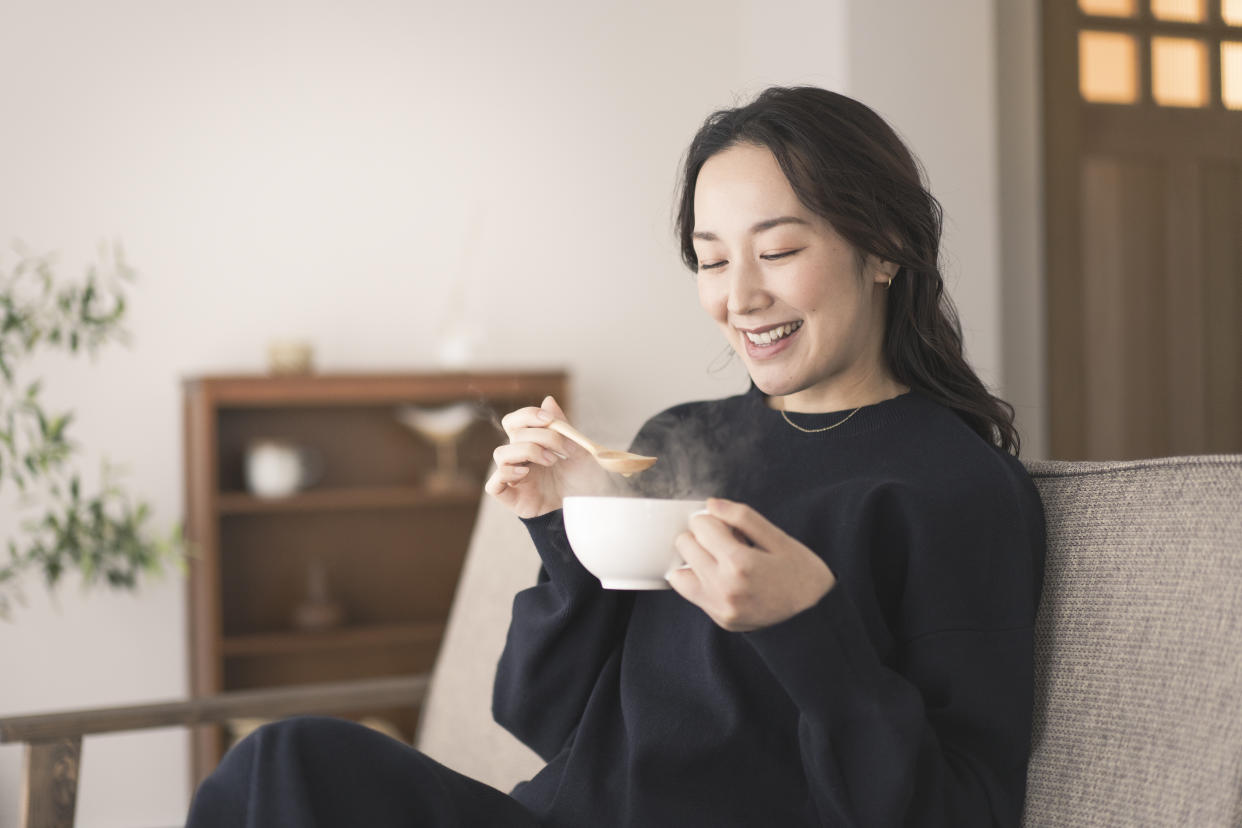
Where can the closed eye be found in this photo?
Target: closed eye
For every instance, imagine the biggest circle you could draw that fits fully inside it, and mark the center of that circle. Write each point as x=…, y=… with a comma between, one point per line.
x=773, y=256
x=767, y=257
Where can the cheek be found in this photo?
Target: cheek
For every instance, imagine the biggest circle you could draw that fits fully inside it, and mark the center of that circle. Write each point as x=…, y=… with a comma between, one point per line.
x=839, y=302
x=712, y=299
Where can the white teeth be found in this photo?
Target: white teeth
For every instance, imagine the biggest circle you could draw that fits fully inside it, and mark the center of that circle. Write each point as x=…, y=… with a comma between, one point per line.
x=774, y=335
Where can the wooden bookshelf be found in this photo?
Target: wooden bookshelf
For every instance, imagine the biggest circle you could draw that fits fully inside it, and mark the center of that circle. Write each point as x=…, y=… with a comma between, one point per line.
x=392, y=548
x=353, y=499
x=376, y=635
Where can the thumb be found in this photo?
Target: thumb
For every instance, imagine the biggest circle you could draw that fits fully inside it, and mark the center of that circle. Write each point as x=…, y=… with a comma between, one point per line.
x=550, y=405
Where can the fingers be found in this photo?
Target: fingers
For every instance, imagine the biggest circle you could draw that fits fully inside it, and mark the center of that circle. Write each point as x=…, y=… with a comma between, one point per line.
x=694, y=553
x=530, y=424
x=525, y=418
x=715, y=534
x=551, y=406
x=513, y=462
x=533, y=416
x=729, y=554
x=718, y=553
x=499, y=481
x=744, y=586
x=531, y=445
x=511, y=454
x=746, y=520
x=685, y=579
x=512, y=474
x=543, y=438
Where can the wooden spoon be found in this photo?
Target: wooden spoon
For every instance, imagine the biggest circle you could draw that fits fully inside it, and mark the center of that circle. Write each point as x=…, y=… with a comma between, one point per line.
x=621, y=462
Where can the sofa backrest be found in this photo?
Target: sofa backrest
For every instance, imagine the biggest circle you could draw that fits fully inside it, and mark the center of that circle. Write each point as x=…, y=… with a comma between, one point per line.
x=456, y=726
x=1138, y=717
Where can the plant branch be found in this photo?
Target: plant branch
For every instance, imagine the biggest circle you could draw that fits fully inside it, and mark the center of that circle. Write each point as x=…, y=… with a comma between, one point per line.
x=101, y=534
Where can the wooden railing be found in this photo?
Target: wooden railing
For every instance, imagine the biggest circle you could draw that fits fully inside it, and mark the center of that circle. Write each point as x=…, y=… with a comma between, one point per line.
x=54, y=741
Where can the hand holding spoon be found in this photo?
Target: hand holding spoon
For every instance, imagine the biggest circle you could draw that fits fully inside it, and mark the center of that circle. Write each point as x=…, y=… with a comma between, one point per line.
x=621, y=462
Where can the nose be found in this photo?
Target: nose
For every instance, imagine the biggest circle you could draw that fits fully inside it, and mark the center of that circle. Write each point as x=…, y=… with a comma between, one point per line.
x=747, y=292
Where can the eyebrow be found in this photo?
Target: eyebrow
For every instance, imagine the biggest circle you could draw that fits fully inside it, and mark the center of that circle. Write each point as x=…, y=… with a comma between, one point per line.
x=766, y=224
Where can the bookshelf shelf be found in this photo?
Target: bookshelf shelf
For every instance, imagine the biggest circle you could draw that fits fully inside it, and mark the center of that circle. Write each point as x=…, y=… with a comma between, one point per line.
x=345, y=499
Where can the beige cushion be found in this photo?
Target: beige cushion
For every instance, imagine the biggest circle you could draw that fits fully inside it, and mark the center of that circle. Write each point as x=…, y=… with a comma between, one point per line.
x=1139, y=645
x=456, y=726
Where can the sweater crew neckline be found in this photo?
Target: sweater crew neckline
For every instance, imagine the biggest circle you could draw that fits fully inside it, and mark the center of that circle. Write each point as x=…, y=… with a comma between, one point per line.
x=821, y=424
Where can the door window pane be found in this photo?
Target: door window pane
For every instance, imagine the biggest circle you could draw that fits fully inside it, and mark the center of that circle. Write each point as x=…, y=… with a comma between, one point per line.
x=1231, y=74
x=1189, y=11
x=1107, y=8
x=1179, y=71
x=1231, y=12
x=1107, y=67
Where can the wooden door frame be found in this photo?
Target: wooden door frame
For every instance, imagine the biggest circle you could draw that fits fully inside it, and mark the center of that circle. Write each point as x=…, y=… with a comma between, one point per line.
x=1073, y=129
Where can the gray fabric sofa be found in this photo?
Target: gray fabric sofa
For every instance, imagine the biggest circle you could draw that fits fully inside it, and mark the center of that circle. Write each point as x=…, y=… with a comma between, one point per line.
x=1138, y=717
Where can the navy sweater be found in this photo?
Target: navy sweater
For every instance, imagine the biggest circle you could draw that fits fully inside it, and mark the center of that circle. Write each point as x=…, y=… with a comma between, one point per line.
x=902, y=698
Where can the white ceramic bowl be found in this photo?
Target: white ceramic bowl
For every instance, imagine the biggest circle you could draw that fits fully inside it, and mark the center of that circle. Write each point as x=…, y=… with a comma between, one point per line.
x=628, y=542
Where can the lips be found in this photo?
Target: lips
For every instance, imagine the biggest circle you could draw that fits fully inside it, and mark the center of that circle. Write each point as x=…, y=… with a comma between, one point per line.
x=771, y=334
x=769, y=341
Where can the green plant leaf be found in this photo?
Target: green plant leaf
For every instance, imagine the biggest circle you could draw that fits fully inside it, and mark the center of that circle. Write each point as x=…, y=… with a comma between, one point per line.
x=102, y=535
x=57, y=427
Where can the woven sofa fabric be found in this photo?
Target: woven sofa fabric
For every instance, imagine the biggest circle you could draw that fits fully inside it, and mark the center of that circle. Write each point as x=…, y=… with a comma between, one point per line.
x=456, y=726
x=1138, y=716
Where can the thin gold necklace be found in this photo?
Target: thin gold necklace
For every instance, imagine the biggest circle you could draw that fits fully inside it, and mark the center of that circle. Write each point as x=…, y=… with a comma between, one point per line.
x=825, y=428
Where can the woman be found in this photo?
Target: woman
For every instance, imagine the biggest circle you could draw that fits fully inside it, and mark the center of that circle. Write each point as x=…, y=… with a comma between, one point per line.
x=873, y=542
x=851, y=640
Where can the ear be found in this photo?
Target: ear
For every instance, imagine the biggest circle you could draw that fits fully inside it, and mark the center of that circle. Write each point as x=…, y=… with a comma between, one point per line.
x=883, y=271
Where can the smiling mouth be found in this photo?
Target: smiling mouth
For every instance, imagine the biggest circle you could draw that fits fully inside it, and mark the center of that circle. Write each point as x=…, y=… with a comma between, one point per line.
x=772, y=335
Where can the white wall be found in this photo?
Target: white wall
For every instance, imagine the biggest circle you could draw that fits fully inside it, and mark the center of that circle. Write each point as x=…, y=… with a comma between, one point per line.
x=1020, y=133
x=958, y=80
x=793, y=42
x=929, y=69
x=332, y=171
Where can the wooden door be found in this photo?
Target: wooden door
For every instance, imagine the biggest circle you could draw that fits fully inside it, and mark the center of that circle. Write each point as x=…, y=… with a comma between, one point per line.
x=1143, y=188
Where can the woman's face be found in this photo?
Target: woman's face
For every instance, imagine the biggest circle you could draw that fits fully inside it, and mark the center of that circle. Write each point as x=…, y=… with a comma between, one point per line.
x=789, y=293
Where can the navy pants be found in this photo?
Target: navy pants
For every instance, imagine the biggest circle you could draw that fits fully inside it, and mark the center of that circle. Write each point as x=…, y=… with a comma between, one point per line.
x=319, y=772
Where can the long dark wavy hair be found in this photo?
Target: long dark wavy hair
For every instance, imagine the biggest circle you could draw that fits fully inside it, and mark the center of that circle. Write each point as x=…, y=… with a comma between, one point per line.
x=847, y=165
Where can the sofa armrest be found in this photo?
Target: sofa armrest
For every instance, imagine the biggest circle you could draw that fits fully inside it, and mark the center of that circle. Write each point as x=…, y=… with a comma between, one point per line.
x=54, y=740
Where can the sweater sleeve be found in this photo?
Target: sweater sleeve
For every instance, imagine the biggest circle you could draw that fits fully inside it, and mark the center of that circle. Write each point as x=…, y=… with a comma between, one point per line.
x=563, y=630
x=927, y=722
